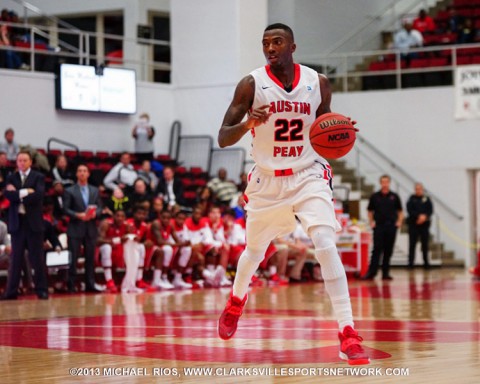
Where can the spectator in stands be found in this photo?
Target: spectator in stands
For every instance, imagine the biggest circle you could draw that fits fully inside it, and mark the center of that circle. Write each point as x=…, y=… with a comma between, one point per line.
x=405, y=39
x=40, y=161
x=243, y=182
x=5, y=247
x=11, y=58
x=140, y=193
x=223, y=190
x=143, y=133
x=466, y=32
x=170, y=189
x=423, y=23
x=51, y=242
x=61, y=171
x=9, y=146
x=82, y=205
x=145, y=172
x=454, y=20
x=122, y=175
x=156, y=209
x=117, y=202
x=204, y=199
x=5, y=170
x=60, y=220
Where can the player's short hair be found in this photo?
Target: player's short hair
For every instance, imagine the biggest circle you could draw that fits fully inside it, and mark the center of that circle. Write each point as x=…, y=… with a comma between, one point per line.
x=284, y=27
x=138, y=208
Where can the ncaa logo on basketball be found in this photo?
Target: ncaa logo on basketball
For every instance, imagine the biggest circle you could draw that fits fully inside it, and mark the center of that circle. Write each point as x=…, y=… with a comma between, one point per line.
x=339, y=136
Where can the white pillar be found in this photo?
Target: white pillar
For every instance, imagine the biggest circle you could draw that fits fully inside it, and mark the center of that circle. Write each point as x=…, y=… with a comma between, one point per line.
x=222, y=42
x=135, y=13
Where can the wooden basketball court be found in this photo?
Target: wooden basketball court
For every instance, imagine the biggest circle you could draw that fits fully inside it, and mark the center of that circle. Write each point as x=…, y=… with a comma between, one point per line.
x=422, y=327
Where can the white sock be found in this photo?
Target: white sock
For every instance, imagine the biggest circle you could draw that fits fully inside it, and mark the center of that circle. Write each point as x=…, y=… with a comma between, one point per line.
x=106, y=260
x=245, y=269
x=338, y=291
x=141, y=261
x=272, y=270
x=336, y=284
x=157, y=274
x=108, y=273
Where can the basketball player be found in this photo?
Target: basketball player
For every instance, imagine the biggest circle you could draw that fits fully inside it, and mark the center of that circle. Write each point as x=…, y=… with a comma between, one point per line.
x=282, y=100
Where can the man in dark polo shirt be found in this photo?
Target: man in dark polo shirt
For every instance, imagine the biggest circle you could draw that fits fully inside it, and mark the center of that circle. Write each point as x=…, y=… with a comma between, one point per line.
x=385, y=216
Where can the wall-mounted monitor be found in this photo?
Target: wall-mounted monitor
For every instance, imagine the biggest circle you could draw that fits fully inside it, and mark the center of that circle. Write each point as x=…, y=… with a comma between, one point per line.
x=84, y=88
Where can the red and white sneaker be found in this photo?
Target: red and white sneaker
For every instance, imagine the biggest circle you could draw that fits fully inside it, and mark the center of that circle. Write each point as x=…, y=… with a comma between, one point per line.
x=142, y=284
x=256, y=281
x=276, y=279
x=111, y=287
x=227, y=324
x=350, y=347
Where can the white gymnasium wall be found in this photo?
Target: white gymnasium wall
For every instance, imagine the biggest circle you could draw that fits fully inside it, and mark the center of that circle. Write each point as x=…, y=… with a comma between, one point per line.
x=27, y=104
x=416, y=129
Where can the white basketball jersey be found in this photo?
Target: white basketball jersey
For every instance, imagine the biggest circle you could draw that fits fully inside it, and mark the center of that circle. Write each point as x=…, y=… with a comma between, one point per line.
x=283, y=142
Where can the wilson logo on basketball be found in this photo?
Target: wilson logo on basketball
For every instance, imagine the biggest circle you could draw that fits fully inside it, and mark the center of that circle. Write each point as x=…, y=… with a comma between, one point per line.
x=339, y=136
x=333, y=122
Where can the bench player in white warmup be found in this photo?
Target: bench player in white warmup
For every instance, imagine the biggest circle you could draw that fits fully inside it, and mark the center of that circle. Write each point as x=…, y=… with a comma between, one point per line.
x=282, y=100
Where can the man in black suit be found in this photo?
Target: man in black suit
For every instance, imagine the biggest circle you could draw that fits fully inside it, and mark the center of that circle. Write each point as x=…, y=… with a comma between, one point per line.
x=82, y=204
x=25, y=190
x=170, y=189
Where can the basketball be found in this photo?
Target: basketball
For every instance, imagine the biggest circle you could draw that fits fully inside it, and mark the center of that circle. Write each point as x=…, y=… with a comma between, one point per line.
x=332, y=135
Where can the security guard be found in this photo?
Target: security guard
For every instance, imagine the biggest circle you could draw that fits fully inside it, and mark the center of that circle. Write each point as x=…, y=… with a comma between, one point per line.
x=420, y=210
x=385, y=215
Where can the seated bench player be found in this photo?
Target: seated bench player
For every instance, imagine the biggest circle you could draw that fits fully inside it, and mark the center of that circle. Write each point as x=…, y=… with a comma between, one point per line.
x=218, y=261
x=166, y=240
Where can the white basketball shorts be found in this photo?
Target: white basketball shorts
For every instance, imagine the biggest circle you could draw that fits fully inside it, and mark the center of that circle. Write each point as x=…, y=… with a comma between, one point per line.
x=274, y=201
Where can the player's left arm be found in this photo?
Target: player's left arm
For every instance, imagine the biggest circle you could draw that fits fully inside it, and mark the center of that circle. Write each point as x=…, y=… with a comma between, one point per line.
x=325, y=95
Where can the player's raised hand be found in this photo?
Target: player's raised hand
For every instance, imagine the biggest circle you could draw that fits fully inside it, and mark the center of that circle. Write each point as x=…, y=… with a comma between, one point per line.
x=258, y=116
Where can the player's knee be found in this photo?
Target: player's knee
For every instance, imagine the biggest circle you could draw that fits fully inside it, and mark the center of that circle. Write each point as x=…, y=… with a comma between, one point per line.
x=185, y=255
x=167, y=255
x=256, y=254
x=322, y=236
x=329, y=259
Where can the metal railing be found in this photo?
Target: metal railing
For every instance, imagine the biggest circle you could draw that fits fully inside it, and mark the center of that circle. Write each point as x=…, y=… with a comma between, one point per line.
x=342, y=67
x=38, y=42
x=386, y=17
x=398, y=174
x=63, y=142
x=347, y=79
